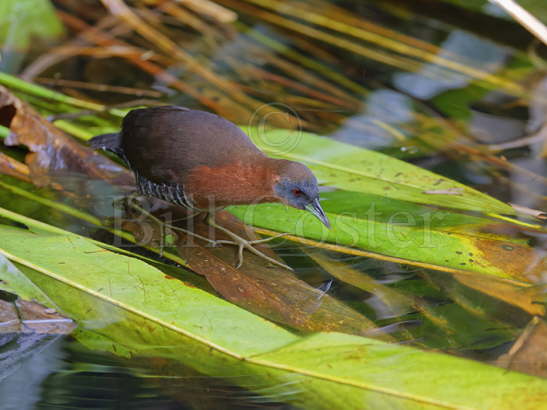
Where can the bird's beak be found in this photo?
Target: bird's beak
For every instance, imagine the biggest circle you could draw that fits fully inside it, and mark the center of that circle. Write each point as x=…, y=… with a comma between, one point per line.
x=315, y=208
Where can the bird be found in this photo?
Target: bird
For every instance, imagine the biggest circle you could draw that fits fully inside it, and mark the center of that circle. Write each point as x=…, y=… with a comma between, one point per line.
x=203, y=162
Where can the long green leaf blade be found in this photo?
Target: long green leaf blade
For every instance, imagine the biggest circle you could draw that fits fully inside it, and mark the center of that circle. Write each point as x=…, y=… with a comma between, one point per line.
x=404, y=230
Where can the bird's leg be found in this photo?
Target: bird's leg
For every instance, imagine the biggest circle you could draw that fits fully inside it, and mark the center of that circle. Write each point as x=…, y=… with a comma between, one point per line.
x=238, y=241
x=162, y=225
x=243, y=243
x=187, y=217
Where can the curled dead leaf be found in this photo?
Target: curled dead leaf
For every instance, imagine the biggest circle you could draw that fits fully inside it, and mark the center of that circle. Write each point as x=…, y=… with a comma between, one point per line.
x=53, y=154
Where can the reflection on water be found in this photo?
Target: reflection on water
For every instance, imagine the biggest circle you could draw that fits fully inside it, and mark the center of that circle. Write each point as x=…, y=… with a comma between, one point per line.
x=66, y=375
x=22, y=387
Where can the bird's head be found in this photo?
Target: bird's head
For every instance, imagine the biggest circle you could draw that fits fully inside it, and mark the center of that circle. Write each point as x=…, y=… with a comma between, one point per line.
x=297, y=186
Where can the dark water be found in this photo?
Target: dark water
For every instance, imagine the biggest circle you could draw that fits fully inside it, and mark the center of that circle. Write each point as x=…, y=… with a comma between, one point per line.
x=399, y=105
x=63, y=374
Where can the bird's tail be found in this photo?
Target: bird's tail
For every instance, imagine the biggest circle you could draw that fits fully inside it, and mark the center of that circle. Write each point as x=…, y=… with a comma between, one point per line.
x=109, y=142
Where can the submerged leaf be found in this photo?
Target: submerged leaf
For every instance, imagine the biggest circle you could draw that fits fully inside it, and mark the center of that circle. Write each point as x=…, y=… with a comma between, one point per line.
x=390, y=302
x=529, y=352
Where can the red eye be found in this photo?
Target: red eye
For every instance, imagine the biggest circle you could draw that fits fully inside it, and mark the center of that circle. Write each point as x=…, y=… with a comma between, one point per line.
x=297, y=192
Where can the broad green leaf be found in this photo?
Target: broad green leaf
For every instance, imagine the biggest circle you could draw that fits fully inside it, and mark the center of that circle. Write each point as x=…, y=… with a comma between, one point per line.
x=404, y=230
x=356, y=169
x=123, y=281
x=417, y=376
x=128, y=307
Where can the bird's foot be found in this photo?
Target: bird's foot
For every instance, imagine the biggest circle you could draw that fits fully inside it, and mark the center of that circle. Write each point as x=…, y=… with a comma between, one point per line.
x=164, y=226
x=126, y=201
x=243, y=243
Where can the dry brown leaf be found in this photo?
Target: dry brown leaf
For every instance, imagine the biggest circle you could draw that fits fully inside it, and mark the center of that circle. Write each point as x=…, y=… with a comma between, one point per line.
x=53, y=154
x=25, y=316
x=14, y=168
